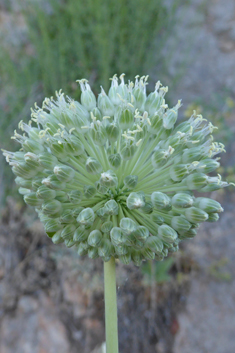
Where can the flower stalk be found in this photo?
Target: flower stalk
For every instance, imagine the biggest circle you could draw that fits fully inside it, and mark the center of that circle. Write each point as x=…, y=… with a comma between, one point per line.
x=110, y=295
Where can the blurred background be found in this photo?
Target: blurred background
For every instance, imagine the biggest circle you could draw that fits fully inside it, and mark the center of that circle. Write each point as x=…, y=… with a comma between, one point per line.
x=50, y=299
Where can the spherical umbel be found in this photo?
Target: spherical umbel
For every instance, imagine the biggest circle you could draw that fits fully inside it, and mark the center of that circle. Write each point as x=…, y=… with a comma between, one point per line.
x=114, y=175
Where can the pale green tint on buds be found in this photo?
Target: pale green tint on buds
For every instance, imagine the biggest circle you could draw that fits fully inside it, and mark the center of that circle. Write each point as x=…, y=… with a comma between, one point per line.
x=135, y=200
x=131, y=181
x=93, y=166
x=114, y=175
x=160, y=201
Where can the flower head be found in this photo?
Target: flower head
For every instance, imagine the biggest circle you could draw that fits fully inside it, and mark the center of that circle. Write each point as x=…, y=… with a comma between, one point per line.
x=115, y=176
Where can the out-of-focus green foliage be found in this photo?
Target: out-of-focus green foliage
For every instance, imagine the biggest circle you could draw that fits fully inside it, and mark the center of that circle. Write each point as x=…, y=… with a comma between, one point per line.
x=158, y=271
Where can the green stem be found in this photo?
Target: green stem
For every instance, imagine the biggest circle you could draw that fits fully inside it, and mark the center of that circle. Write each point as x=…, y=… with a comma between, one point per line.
x=110, y=297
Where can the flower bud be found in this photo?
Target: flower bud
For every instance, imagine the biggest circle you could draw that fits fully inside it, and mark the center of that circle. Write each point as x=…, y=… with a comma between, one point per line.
x=153, y=102
x=127, y=226
x=126, y=119
x=105, y=249
x=135, y=200
x=95, y=238
x=192, y=154
x=82, y=249
x=112, y=131
x=178, y=172
x=167, y=234
x=208, y=205
x=45, y=193
x=101, y=188
x=196, y=181
x=117, y=237
x=195, y=215
x=154, y=244
x=125, y=259
x=97, y=113
x=169, y=119
x=121, y=250
x=76, y=211
x=101, y=212
x=32, y=146
x=89, y=191
x=207, y=165
x=86, y=217
x=23, y=183
x=32, y=200
x=24, y=191
x=141, y=233
x=182, y=200
x=36, y=183
x=75, y=196
x=109, y=179
x=115, y=160
x=212, y=217
x=64, y=173
x=105, y=105
x=99, y=135
x=80, y=234
x=57, y=239
x=47, y=160
x=157, y=219
x=58, y=149
x=62, y=196
x=136, y=258
x=24, y=171
x=51, y=207
x=93, y=166
x=88, y=99
x=147, y=208
x=188, y=235
x=106, y=227
x=156, y=124
x=53, y=225
x=93, y=253
x=52, y=182
x=131, y=181
x=74, y=146
x=128, y=151
x=147, y=253
x=179, y=223
x=160, y=201
x=159, y=158
x=67, y=217
x=111, y=207
x=140, y=97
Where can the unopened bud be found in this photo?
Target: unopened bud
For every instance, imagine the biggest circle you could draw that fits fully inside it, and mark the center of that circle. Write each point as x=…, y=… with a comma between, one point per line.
x=208, y=205
x=52, y=182
x=95, y=238
x=179, y=223
x=109, y=179
x=45, y=193
x=47, y=160
x=105, y=105
x=111, y=207
x=160, y=201
x=80, y=234
x=115, y=160
x=182, y=200
x=154, y=244
x=32, y=200
x=64, y=173
x=178, y=172
x=126, y=119
x=106, y=227
x=195, y=215
x=135, y=200
x=93, y=166
x=86, y=217
x=213, y=217
x=89, y=191
x=51, y=207
x=112, y=131
x=167, y=234
x=75, y=196
x=117, y=237
x=127, y=226
x=196, y=181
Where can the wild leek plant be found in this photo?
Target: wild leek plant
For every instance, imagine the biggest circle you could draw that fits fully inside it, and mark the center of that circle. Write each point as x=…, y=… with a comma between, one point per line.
x=115, y=178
